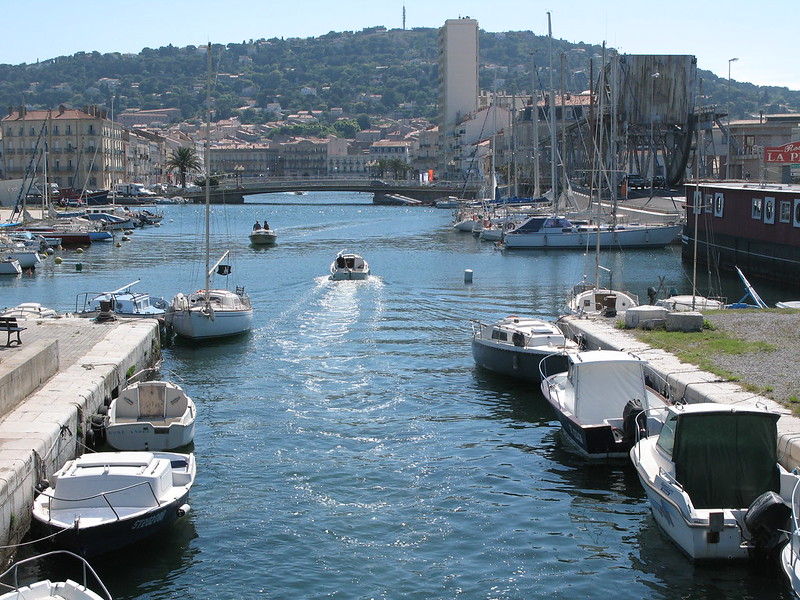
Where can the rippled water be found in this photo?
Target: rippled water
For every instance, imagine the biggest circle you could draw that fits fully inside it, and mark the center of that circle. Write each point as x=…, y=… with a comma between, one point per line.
x=348, y=447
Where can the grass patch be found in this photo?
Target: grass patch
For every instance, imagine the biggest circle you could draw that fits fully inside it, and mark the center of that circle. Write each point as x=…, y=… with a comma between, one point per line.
x=699, y=348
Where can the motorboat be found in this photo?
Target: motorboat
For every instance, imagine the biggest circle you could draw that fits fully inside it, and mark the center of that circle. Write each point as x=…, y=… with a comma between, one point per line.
x=150, y=415
x=713, y=480
x=349, y=266
x=603, y=402
x=688, y=302
x=45, y=589
x=30, y=310
x=122, y=303
x=560, y=232
x=790, y=554
x=210, y=313
x=515, y=346
x=263, y=236
x=104, y=501
x=588, y=299
x=9, y=266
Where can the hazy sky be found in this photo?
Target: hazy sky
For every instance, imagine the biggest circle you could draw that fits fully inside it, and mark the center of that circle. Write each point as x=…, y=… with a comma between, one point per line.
x=761, y=35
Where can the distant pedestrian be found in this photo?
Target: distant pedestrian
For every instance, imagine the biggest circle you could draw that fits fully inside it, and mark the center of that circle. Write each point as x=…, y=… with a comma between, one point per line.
x=747, y=176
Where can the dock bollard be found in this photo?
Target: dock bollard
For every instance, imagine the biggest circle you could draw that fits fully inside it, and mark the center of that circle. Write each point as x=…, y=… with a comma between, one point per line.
x=468, y=276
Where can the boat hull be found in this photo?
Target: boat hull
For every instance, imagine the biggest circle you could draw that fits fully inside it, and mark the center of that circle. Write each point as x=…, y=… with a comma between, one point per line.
x=144, y=435
x=638, y=237
x=263, y=238
x=348, y=275
x=109, y=537
x=196, y=324
x=516, y=362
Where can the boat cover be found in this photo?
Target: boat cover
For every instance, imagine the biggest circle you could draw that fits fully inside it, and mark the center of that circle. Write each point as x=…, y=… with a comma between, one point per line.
x=726, y=459
x=603, y=388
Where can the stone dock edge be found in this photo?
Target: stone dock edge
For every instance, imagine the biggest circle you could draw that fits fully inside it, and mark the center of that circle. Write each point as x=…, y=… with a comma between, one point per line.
x=48, y=394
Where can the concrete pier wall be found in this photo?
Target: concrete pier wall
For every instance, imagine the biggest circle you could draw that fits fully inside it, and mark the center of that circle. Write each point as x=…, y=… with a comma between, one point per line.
x=683, y=382
x=47, y=426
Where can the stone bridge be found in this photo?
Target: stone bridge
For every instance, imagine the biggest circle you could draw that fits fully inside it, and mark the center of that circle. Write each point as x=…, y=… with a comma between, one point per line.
x=231, y=193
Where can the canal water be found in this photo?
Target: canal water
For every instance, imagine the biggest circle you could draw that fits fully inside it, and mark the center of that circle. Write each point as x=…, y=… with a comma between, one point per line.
x=349, y=448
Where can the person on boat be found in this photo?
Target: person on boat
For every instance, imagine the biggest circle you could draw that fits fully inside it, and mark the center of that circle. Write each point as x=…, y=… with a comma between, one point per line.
x=256, y=226
x=266, y=225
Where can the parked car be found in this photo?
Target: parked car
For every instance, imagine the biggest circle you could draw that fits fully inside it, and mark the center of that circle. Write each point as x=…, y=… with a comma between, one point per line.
x=635, y=181
x=658, y=182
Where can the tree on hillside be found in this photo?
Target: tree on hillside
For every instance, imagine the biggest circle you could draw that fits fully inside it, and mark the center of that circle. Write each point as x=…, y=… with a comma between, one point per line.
x=183, y=160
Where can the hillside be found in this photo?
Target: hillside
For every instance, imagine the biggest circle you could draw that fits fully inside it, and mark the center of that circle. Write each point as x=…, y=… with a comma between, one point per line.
x=373, y=71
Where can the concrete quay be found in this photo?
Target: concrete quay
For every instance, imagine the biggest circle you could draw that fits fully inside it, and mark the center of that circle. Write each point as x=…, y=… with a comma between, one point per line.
x=49, y=387
x=684, y=382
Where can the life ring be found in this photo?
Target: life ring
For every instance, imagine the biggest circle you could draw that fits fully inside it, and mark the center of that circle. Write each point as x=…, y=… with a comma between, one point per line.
x=509, y=226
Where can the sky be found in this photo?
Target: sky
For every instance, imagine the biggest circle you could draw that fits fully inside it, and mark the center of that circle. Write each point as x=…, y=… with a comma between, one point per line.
x=761, y=36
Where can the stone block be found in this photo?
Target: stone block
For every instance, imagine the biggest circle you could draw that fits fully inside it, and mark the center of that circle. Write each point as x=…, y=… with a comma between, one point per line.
x=684, y=321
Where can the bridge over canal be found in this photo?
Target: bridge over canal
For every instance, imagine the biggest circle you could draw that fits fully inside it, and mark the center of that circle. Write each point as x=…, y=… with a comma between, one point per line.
x=231, y=193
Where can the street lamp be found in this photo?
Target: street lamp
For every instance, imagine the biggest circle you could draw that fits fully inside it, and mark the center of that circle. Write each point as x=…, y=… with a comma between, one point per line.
x=728, y=158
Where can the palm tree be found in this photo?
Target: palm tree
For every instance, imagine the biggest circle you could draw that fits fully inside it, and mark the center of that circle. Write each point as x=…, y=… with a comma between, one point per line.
x=183, y=160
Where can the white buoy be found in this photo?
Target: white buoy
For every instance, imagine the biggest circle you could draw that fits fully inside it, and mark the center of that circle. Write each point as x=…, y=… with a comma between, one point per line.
x=468, y=276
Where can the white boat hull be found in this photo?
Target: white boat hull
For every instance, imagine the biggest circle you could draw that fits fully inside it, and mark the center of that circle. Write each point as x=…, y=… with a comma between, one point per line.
x=264, y=236
x=197, y=324
x=10, y=267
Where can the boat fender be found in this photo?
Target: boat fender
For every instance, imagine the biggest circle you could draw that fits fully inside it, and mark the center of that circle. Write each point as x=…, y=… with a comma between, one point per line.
x=509, y=226
x=767, y=521
x=182, y=510
x=90, y=438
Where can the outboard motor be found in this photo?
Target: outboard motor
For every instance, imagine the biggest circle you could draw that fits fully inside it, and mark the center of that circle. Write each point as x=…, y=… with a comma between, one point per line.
x=633, y=427
x=767, y=520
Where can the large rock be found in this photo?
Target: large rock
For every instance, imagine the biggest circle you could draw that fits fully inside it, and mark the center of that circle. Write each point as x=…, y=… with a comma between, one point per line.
x=684, y=321
x=645, y=317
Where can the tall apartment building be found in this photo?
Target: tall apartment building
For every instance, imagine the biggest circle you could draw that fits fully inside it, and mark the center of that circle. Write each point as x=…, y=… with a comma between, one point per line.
x=458, y=86
x=84, y=147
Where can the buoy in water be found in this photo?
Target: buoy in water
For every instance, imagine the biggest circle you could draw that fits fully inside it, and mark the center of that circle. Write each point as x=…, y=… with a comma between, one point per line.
x=79, y=250
x=79, y=266
x=468, y=276
x=119, y=245
x=57, y=260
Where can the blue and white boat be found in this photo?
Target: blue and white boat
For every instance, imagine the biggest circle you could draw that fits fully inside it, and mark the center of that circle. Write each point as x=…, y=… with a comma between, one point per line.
x=122, y=302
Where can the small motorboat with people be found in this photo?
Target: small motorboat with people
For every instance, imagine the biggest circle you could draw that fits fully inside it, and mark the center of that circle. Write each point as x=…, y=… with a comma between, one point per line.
x=262, y=234
x=104, y=501
x=714, y=482
x=122, y=303
x=515, y=346
x=349, y=266
x=603, y=402
x=45, y=589
x=150, y=415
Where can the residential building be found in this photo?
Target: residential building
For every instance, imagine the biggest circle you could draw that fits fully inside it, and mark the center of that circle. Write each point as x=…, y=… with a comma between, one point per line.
x=458, y=86
x=84, y=148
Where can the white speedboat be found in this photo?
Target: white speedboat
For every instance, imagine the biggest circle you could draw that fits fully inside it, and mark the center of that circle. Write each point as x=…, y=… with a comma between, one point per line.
x=122, y=302
x=263, y=236
x=515, y=346
x=347, y=266
x=599, y=399
x=150, y=415
x=105, y=501
x=714, y=482
x=48, y=590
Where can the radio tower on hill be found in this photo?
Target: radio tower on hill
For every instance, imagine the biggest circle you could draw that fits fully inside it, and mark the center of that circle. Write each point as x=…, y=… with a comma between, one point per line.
x=404, y=16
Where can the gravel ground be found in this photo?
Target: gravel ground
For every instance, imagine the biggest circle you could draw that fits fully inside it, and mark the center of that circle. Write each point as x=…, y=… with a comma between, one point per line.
x=776, y=371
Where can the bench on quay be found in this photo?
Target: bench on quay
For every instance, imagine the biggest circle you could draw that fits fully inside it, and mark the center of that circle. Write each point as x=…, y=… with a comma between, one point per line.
x=9, y=325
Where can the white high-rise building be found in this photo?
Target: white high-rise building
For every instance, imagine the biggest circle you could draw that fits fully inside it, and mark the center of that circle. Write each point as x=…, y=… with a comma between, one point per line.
x=458, y=84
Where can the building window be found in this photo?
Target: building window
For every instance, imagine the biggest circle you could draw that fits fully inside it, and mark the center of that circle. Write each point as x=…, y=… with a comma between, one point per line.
x=756, y=209
x=785, y=214
x=697, y=202
x=719, y=204
x=769, y=211
x=709, y=203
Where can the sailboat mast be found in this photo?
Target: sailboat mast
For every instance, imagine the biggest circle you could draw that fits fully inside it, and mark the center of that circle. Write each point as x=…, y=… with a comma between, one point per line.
x=553, y=148
x=207, y=159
